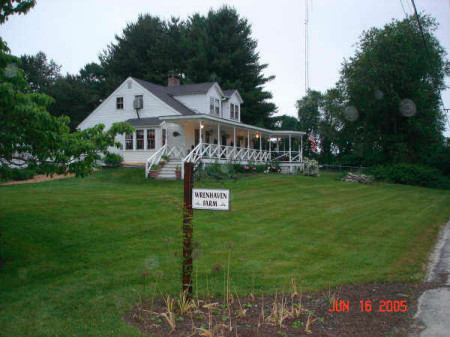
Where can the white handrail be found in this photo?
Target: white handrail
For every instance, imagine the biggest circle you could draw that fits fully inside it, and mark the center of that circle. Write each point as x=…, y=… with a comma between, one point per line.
x=163, y=151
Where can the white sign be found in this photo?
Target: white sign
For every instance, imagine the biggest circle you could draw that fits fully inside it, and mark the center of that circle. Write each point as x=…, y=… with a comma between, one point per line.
x=211, y=199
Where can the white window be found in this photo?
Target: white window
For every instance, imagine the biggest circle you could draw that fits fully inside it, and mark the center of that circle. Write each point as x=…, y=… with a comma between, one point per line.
x=214, y=106
x=234, y=111
x=150, y=139
x=129, y=141
x=138, y=102
x=119, y=103
x=139, y=139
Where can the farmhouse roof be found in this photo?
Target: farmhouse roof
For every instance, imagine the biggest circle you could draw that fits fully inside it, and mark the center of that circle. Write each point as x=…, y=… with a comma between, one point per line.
x=163, y=94
x=144, y=121
x=186, y=89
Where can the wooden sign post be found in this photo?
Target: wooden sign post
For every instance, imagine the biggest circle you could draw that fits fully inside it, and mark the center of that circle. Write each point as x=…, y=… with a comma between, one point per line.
x=207, y=199
x=188, y=229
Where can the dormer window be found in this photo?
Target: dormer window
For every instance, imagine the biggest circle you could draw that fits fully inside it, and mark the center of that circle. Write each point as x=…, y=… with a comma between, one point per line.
x=234, y=111
x=214, y=106
x=119, y=103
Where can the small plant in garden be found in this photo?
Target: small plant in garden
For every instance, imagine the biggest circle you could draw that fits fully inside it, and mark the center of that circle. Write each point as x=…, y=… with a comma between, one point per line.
x=297, y=324
x=279, y=312
x=169, y=315
x=331, y=296
x=310, y=320
x=185, y=304
x=155, y=167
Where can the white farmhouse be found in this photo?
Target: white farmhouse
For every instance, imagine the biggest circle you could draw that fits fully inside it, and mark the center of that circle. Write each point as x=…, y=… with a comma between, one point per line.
x=194, y=123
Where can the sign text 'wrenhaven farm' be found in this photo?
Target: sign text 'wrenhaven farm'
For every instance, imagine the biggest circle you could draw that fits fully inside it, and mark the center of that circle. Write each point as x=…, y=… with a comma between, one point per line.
x=211, y=199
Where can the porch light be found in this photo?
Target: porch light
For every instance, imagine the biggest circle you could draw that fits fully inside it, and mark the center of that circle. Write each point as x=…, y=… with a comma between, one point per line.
x=257, y=135
x=202, y=126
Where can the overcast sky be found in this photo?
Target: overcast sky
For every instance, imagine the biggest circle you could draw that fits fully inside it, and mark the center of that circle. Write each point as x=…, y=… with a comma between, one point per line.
x=73, y=32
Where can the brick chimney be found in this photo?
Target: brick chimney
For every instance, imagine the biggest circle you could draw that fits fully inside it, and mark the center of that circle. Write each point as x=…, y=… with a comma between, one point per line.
x=173, y=81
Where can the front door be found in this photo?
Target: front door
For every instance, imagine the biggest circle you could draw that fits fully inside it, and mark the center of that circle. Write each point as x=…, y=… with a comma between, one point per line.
x=224, y=140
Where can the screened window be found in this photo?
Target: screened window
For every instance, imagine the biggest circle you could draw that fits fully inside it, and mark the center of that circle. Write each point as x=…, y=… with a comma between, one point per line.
x=119, y=103
x=234, y=111
x=150, y=139
x=129, y=141
x=214, y=106
x=139, y=139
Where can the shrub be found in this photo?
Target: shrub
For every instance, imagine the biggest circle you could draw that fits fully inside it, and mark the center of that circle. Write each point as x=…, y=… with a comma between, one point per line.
x=7, y=173
x=410, y=174
x=310, y=168
x=113, y=160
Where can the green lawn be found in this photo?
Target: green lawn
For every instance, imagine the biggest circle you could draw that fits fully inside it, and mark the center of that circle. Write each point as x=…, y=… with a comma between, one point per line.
x=75, y=248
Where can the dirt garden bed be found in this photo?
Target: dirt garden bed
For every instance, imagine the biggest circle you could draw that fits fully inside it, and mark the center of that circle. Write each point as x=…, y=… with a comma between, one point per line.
x=39, y=179
x=297, y=314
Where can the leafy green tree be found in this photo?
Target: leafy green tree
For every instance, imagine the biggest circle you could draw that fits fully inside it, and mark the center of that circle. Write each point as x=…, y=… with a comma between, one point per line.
x=141, y=51
x=30, y=136
x=10, y=7
x=73, y=98
x=40, y=73
x=392, y=87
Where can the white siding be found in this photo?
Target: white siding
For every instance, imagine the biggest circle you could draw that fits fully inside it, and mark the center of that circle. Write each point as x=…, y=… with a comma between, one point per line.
x=107, y=114
x=196, y=103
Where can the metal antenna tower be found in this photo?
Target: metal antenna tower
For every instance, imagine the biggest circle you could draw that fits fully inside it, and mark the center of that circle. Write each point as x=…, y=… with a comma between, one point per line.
x=306, y=47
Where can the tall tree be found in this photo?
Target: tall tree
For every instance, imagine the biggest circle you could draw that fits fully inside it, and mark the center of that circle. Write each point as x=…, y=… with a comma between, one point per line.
x=141, y=51
x=40, y=73
x=73, y=98
x=392, y=87
x=221, y=48
x=217, y=47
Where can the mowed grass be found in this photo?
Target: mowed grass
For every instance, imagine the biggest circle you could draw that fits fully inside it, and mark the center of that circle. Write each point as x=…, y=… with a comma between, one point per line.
x=76, y=248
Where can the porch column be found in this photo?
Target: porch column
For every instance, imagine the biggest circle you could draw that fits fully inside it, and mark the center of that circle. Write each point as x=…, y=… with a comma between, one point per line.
x=200, y=133
x=167, y=136
x=289, y=147
x=270, y=149
x=234, y=142
x=248, y=139
x=134, y=140
x=260, y=141
x=301, y=148
x=218, y=134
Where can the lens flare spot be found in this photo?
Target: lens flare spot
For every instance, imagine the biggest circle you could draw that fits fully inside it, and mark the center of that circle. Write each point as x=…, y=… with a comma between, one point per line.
x=11, y=70
x=407, y=107
x=351, y=113
x=378, y=94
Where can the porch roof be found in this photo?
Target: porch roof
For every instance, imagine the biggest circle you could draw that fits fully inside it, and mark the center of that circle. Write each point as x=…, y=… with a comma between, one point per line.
x=223, y=121
x=150, y=121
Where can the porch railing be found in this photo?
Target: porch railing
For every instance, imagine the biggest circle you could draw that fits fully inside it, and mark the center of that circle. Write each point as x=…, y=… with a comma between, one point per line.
x=169, y=151
x=224, y=152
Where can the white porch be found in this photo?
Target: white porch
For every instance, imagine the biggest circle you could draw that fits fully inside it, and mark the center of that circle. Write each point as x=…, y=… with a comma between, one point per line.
x=209, y=139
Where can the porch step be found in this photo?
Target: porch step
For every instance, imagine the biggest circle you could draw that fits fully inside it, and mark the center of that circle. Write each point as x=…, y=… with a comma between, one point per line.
x=168, y=171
